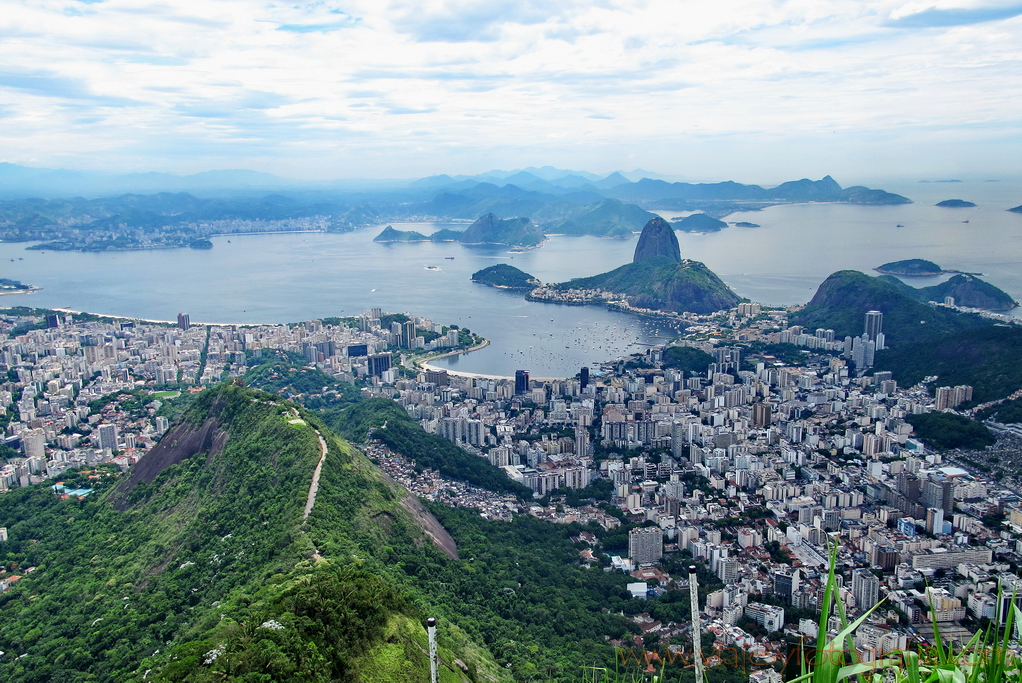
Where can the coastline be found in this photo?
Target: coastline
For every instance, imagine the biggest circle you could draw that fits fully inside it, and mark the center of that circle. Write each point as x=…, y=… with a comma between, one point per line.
x=426, y=364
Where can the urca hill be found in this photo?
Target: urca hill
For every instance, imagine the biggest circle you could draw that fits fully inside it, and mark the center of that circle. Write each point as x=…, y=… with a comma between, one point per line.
x=659, y=279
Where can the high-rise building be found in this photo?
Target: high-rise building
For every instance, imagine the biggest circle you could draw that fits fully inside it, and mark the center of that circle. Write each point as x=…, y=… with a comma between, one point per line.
x=865, y=589
x=874, y=324
x=761, y=414
x=107, y=436
x=584, y=378
x=33, y=443
x=408, y=334
x=785, y=584
x=184, y=321
x=437, y=377
x=379, y=363
x=645, y=544
x=521, y=381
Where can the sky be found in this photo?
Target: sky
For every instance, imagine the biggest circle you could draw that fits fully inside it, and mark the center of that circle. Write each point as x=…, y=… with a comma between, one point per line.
x=750, y=90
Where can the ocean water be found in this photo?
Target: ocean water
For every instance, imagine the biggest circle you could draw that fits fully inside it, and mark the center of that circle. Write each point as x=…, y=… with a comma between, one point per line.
x=292, y=277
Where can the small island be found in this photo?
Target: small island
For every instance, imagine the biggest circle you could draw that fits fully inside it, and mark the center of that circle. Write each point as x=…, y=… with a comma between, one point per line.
x=955, y=204
x=913, y=266
x=746, y=224
x=504, y=276
x=200, y=244
x=699, y=222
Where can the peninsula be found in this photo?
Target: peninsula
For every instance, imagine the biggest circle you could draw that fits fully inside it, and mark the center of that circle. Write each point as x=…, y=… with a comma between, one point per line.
x=658, y=279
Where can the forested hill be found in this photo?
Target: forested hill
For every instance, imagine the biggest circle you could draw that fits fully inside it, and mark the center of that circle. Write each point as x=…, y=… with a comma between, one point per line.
x=210, y=571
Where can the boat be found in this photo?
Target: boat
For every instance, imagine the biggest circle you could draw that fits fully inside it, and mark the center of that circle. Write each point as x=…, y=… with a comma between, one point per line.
x=449, y=258
x=899, y=225
x=432, y=268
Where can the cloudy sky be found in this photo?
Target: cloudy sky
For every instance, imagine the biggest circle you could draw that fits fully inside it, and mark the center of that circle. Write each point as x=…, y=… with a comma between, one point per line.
x=753, y=90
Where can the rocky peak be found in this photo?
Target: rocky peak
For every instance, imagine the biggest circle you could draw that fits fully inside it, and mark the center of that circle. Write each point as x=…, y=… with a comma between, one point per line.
x=657, y=239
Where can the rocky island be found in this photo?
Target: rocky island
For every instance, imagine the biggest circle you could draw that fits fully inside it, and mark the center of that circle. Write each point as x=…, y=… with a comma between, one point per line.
x=658, y=279
x=504, y=276
x=955, y=204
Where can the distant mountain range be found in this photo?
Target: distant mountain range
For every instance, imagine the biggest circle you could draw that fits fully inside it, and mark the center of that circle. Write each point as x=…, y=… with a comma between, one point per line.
x=177, y=209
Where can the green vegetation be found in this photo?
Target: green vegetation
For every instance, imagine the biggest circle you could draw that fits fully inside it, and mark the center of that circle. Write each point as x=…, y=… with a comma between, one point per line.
x=955, y=204
x=389, y=234
x=699, y=222
x=391, y=424
x=692, y=360
x=445, y=235
x=912, y=266
x=290, y=375
x=12, y=285
x=1008, y=412
x=947, y=430
x=983, y=358
x=514, y=232
x=969, y=290
x=660, y=283
x=843, y=298
x=505, y=276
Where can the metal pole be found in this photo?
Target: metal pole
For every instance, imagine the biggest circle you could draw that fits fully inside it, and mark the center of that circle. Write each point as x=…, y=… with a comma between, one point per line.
x=697, y=644
x=431, y=631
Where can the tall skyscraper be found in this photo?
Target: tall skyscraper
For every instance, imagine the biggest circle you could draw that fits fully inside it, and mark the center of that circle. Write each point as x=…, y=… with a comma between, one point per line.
x=865, y=588
x=183, y=321
x=645, y=544
x=874, y=324
x=584, y=377
x=521, y=381
x=107, y=436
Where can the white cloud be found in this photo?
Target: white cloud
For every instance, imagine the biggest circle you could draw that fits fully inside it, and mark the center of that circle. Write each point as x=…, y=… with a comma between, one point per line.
x=406, y=88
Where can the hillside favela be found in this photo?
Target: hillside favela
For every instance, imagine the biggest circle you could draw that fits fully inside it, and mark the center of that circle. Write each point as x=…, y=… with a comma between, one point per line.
x=354, y=342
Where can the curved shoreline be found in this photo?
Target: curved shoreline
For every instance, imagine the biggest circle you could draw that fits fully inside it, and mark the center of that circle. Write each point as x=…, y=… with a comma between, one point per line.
x=426, y=364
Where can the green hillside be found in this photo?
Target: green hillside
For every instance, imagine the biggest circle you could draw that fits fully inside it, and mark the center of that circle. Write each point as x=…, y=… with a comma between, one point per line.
x=664, y=284
x=984, y=358
x=197, y=565
x=842, y=300
x=506, y=276
x=391, y=424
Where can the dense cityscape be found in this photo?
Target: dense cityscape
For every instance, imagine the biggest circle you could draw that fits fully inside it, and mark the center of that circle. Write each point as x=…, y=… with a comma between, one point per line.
x=750, y=465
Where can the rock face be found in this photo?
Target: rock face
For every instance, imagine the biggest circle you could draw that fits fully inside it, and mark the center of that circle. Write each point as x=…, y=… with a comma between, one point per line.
x=657, y=239
x=515, y=232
